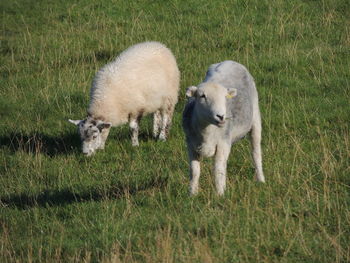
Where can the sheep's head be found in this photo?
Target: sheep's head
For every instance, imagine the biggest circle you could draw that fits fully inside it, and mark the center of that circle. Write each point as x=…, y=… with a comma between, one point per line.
x=211, y=101
x=90, y=131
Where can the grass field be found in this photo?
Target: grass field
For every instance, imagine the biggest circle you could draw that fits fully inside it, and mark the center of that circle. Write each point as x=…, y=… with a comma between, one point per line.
x=130, y=204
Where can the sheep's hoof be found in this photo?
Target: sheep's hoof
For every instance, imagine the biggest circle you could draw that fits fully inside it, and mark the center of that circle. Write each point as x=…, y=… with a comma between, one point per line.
x=193, y=192
x=260, y=179
x=220, y=193
x=162, y=138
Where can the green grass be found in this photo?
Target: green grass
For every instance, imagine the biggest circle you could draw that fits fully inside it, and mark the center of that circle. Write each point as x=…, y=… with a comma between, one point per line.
x=130, y=204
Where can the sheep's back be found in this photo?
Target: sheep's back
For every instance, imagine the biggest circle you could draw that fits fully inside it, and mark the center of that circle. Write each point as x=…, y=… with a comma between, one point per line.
x=142, y=79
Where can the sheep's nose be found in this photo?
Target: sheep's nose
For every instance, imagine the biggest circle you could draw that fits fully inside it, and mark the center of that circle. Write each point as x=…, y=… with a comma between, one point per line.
x=221, y=117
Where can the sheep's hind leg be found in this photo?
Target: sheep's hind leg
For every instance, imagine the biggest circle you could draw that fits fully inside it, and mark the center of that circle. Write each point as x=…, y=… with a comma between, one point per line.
x=256, y=149
x=134, y=126
x=169, y=121
x=166, y=122
x=163, y=129
x=157, y=121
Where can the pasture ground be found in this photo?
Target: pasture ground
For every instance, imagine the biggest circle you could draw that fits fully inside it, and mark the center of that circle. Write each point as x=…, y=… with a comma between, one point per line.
x=131, y=204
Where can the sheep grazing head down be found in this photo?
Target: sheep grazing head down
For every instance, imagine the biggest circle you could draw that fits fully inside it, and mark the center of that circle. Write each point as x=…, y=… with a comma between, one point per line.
x=210, y=100
x=93, y=134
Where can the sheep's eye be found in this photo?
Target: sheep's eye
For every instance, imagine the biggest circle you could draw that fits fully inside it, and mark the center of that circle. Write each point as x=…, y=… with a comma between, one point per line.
x=94, y=137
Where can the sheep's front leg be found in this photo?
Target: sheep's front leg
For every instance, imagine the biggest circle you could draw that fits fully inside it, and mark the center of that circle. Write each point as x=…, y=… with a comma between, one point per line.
x=221, y=157
x=194, y=172
x=134, y=126
x=104, y=135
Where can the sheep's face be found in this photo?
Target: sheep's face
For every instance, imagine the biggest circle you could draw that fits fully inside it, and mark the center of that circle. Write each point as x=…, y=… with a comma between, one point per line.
x=91, y=134
x=211, y=102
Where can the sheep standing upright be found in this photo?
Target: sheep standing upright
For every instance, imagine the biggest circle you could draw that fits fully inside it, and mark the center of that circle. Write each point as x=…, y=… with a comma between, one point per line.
x=219, y=112
x=141, y=80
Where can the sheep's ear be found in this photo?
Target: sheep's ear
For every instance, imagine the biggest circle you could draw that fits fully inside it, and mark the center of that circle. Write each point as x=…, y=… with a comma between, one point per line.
x=104, y=125
x=76, y=122
x=231, y=93
x=191, y=91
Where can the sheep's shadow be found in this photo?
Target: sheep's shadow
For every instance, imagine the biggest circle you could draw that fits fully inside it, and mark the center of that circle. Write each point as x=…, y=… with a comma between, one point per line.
x=36, y=143
x=65, y=144
x=50, y=198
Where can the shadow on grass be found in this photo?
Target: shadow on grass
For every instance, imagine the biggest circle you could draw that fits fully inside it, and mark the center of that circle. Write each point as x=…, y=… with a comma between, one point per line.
x=40, y=143
x=66, y=196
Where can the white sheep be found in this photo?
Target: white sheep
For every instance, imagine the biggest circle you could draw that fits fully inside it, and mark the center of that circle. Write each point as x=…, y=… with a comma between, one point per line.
x=143, y=79
x=219, y=112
